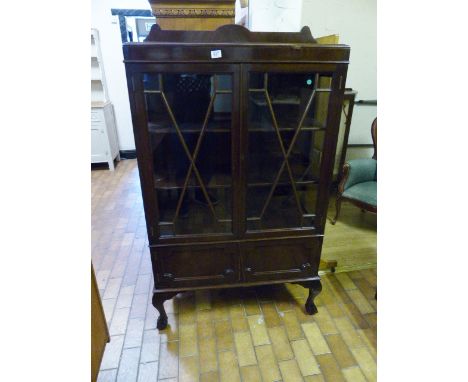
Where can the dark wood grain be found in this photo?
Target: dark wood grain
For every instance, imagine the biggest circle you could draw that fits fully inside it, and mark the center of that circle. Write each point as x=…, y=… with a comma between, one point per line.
x=374, y=137
x=240, y=257
x=350, y=97
x=228, y=33
x=99, y=331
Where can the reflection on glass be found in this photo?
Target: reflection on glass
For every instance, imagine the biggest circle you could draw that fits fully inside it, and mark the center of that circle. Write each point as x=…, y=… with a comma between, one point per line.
x=286, y=129
x=189, y=120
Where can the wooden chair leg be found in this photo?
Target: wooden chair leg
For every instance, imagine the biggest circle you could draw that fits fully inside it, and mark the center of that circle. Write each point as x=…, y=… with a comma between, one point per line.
x=332, y=264
x=326, y=265
x=338, y=208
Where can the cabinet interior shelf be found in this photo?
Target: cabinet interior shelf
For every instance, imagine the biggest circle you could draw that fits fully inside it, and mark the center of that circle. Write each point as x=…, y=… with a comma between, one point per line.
x=157, y=128
x=216, y=183
x=250, y=219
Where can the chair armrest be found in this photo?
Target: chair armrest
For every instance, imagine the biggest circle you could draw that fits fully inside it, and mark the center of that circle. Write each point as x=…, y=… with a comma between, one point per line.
x=358, y=171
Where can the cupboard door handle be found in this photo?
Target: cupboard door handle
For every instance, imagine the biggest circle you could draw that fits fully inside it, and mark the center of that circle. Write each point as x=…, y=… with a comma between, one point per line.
x=305, y=266
x=228, y=272
x=168, y=276
x=248, y=270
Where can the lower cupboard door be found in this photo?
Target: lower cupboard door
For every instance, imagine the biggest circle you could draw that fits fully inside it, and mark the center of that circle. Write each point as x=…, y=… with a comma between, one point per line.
x=281, y=259
x=185, y=266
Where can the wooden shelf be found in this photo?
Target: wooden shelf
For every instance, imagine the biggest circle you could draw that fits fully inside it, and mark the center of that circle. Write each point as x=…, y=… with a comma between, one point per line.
x=104, y=141
x=261, y=100
x=98, y=79
x=166, y=126
x=217, y=181
x=216, y=127
x=220, y=181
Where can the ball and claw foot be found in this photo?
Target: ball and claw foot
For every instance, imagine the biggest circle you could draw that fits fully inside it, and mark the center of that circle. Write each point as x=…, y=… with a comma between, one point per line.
x=158, y=303
x=310, y=307
x=162, y=322
x=315, y=287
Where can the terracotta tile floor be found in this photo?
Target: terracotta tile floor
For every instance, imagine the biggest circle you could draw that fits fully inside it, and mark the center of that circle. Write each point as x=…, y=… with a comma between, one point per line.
x=251, y=334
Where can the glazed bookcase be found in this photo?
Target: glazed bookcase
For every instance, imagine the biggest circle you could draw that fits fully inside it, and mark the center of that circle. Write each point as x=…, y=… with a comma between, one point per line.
x=235, y=133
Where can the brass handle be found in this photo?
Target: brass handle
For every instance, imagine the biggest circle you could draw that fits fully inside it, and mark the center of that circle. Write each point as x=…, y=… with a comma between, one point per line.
x=229, y=272
x=305, y=266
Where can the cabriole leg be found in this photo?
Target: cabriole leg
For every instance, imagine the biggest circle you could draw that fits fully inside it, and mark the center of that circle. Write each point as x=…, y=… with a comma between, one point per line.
x=158, y=303
x=315, y=287
x=338, y=209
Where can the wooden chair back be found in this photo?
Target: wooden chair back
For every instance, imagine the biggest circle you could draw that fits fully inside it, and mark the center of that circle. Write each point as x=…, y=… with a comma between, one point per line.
x=374, y=137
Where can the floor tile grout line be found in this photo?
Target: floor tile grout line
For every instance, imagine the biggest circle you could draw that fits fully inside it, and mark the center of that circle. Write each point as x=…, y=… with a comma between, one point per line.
x=120, y=289
x=364, y=344
x=234, y=343
x=264, y=321
x=148, y=305
x=111, y=368
x=216, y=349
x=198, y=340
x=126, y=326
x=364, y=331
x=269, y=338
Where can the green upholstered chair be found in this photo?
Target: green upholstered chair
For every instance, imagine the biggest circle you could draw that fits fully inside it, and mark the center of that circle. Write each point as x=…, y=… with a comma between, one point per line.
x=359, y=182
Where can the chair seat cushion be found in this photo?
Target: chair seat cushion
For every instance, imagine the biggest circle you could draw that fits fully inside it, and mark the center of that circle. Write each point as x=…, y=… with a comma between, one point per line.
x=364, y=192
x=360, y=171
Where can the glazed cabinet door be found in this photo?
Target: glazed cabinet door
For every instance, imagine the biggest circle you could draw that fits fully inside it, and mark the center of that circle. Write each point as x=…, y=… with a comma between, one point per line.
x=187, y=142
x=286, y=126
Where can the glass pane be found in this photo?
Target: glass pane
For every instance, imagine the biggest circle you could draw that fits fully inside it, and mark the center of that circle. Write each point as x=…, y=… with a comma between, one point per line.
x=287, y=114
x=189, y=120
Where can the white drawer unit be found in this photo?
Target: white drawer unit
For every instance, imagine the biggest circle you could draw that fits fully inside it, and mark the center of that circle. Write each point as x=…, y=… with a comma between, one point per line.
x=104, y=143
x=96, y=116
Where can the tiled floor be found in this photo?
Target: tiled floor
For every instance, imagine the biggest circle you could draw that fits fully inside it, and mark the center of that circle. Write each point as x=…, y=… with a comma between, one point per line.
x=253, y=334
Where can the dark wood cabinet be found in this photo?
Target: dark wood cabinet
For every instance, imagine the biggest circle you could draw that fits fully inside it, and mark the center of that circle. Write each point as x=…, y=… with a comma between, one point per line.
x=235, y=133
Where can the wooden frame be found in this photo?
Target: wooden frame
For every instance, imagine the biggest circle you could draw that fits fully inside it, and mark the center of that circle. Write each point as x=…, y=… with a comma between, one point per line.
x=99, y=331
x=346, y=169
x=234, y=259
x=350, y=97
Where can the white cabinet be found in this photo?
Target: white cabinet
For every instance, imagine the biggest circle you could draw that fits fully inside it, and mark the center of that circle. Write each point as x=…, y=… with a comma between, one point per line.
x=104, y=142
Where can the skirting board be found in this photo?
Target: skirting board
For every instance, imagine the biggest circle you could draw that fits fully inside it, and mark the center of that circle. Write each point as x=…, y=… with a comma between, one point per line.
x=128, y=154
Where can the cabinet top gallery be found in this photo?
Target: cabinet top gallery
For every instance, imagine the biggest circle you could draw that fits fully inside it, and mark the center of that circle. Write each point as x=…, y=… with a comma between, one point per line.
x=244, y=47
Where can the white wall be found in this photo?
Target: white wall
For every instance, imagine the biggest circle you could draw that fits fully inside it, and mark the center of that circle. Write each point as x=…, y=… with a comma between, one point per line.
x=275, y=16
x=355, y=21
x=112, y=55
